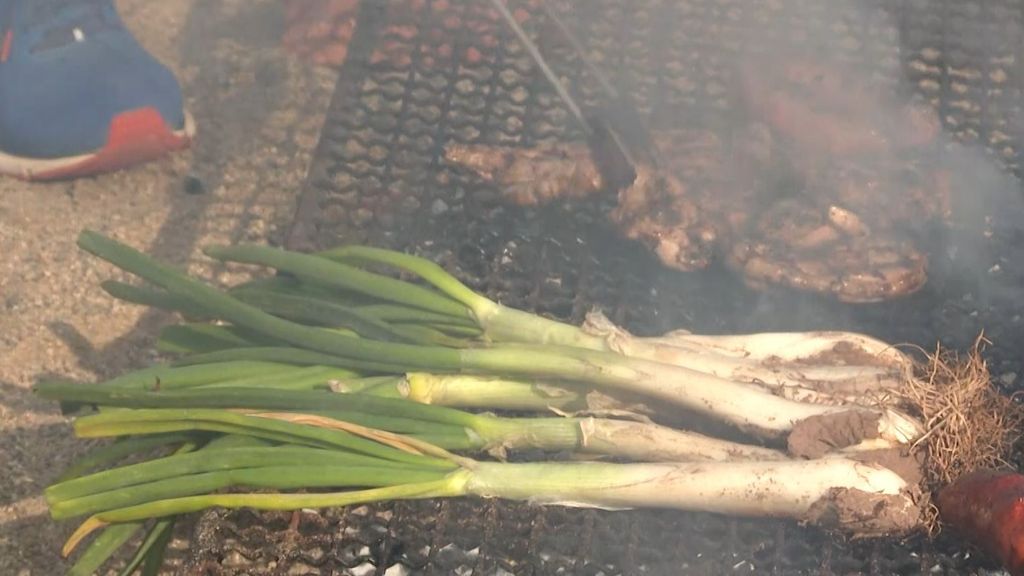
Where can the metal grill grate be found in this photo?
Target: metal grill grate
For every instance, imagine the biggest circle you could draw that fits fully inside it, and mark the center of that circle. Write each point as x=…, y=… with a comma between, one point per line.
x=423, y=74
x=473, y=537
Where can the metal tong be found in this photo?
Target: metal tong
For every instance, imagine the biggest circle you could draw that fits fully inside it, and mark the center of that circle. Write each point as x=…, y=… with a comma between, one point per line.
x=616, y=133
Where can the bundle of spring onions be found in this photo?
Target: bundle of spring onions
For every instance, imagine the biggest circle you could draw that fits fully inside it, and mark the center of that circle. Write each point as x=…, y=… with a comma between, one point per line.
x=337, y=381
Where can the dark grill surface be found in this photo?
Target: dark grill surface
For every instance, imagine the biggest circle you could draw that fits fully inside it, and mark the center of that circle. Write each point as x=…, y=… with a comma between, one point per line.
x=421, y=75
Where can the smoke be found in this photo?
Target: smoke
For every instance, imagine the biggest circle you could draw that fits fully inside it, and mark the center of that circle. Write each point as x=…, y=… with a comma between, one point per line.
x=909, y=123
x=978, y=250
x=956, y=60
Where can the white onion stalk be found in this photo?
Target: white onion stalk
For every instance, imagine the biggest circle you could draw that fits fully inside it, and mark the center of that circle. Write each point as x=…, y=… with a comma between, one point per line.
x=480, y=392
x=783, y=359
x=496, y=393
x=606, y=436
x=822, y=491
x=860, y=499
x=787, y=346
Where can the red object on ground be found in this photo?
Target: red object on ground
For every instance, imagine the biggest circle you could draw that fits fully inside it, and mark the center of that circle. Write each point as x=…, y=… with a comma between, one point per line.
x=987, y=509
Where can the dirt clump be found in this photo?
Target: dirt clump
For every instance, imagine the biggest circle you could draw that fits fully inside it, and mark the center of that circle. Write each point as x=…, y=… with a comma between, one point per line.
x=816, y=436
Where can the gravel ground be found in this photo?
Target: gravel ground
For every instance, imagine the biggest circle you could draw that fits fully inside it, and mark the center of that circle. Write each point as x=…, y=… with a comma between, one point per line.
x=259, y=114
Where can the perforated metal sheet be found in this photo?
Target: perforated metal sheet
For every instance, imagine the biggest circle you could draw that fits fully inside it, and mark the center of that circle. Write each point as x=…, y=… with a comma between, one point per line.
x=423, y=74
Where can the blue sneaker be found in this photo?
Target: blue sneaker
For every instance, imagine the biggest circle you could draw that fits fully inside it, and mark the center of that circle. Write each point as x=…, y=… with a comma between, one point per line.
x=79, y=95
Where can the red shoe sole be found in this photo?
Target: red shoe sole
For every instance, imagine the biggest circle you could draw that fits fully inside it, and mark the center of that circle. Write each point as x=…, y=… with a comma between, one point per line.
x=135, y=137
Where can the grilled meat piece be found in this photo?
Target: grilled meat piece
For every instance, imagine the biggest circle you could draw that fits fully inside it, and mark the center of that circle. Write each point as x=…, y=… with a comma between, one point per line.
x=531, y=175
x=846, y=234
x=828, y=251
x=688, y=208
x=658, y=211
x=856, y=189
x=851, y=233
x=679, y=222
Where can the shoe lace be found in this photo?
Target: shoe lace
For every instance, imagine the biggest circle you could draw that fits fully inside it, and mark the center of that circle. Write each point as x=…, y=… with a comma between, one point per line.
x=92, y=17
